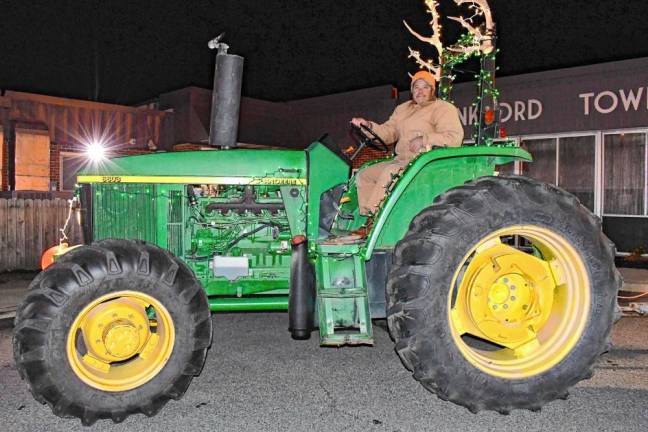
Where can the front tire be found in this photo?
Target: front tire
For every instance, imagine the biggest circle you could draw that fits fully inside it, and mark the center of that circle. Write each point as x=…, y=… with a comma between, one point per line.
x=491, y=326
x=112, y=329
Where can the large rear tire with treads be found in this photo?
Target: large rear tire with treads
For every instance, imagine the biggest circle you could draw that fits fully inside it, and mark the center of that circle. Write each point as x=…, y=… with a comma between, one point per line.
x=502, y=294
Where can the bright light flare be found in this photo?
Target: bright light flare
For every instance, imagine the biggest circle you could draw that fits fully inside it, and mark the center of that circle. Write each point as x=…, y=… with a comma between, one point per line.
x=95, y=140
x=95, y=151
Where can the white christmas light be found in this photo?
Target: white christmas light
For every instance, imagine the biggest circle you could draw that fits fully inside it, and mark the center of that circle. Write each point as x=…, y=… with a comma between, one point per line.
x=434, y=40
x=482, y=39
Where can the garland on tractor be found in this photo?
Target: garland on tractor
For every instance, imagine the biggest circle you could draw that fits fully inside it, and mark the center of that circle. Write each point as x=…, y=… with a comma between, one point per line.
x=478, y=42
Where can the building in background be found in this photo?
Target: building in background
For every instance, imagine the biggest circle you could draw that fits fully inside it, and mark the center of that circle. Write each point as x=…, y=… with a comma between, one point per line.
x=587, y=128
x=44, y=139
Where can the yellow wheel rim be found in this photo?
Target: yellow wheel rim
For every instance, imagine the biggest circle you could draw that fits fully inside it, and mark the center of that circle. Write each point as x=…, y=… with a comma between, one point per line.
x=120, y=341
x=516, y=312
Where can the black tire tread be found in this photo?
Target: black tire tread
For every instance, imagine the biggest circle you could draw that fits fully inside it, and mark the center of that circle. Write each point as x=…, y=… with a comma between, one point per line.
x=52, y=288
x=414, y=304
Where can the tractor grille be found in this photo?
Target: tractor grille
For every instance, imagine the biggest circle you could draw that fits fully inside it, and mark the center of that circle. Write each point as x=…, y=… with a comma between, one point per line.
x=124, y=211
x=174, y=223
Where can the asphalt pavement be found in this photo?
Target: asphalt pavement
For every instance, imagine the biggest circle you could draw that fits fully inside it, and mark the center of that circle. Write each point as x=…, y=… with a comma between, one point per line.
x=257, y=379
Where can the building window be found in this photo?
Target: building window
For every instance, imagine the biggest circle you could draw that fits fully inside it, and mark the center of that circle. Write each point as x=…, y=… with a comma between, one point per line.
x=568, y=162
x=576, y=167
x=543, y=167
x=624, y=174
x=32, y=160
x=71, y=163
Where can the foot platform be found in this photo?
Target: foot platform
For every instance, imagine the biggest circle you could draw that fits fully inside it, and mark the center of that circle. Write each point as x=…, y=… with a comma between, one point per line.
x=343, y=304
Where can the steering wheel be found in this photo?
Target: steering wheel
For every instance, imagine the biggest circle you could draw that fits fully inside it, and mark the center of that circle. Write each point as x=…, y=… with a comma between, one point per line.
x=367, y=137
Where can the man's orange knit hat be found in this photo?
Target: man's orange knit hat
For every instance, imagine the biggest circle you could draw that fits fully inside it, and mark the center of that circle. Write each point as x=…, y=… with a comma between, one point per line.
x=425, y=76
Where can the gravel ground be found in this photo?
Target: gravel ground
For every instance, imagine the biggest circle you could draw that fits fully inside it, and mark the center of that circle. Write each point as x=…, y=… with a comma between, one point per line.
x=257, y=378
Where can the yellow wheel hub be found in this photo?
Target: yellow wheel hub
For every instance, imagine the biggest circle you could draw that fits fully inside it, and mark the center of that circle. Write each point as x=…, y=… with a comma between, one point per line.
x=530, y=307
x=120, y=341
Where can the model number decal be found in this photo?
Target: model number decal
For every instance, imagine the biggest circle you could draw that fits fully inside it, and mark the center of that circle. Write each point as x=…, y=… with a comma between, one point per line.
x=277, y=181
x=192, y=180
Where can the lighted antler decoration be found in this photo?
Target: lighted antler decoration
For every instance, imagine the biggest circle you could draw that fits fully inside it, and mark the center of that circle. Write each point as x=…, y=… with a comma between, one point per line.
x=482, y=36
x=478, y=41
x=434, y=40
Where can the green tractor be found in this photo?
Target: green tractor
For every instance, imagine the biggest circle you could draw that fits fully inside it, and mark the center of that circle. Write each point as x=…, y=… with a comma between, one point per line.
x=499, y=291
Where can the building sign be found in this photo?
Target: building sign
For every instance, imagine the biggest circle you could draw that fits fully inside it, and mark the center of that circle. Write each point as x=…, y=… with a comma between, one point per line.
x=516, y=111
x=608, y=101
x=599, y=97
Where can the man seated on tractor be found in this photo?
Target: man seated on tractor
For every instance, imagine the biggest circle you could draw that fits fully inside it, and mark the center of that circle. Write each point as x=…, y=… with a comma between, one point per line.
x=415, y=126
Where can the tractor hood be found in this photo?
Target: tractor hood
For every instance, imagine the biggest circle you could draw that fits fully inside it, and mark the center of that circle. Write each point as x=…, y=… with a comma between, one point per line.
x=242, y=166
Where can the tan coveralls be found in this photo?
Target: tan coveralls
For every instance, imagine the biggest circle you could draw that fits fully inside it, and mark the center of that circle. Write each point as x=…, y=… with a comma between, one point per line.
x=436, y=122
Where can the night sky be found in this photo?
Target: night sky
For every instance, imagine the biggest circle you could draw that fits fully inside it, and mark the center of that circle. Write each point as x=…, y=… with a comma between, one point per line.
x=131, y=51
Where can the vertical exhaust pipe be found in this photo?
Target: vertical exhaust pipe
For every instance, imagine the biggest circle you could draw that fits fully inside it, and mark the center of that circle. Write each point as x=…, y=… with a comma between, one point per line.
x=226, y=96
x=301, y=301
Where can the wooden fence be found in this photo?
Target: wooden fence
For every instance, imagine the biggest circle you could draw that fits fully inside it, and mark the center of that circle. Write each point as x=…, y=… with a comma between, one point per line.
x=29, y=226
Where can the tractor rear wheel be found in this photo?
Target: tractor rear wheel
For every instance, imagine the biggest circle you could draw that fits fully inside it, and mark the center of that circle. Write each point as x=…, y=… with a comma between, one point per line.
x=111, y=329
x=502, y=294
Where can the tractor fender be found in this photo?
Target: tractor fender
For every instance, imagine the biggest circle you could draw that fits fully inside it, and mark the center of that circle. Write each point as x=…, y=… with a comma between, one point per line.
x=426, y=177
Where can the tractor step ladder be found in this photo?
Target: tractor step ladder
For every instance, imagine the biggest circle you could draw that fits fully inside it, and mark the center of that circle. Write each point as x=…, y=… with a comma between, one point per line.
x=342, y=300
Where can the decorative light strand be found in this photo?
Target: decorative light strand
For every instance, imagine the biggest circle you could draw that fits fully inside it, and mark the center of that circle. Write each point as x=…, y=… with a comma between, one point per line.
x=434, y=40
x=478, y=41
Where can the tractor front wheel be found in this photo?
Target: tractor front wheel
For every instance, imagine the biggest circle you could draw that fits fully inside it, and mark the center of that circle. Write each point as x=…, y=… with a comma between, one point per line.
x=502, y=294
x=112, y=329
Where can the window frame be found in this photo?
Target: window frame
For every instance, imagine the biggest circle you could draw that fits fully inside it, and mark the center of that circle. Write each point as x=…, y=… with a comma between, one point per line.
x=643, y=131
x=599, y=162
x=598, y=166
x=62, y=155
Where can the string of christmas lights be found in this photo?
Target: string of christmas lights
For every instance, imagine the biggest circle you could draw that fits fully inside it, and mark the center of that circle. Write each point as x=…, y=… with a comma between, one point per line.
x=478, y=41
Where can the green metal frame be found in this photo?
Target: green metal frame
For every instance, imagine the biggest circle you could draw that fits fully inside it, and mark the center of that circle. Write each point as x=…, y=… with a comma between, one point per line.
x=342, y=297
x=146, y=197
x=325, y=170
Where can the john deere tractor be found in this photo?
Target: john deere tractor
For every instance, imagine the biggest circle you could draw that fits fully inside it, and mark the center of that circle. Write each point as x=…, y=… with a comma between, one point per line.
x=499, y=291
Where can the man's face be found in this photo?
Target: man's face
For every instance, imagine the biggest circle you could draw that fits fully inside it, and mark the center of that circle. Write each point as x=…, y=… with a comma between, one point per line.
x=421, y=91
